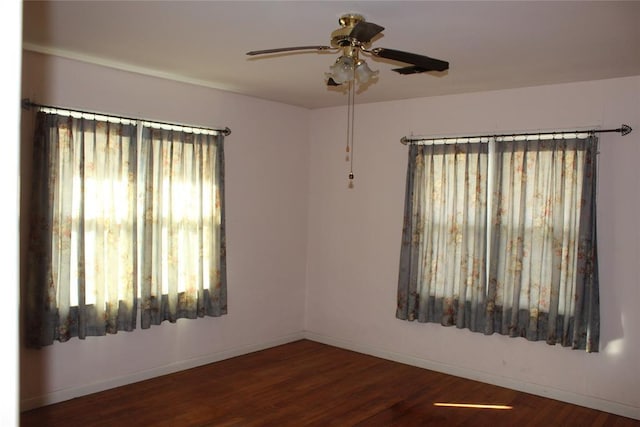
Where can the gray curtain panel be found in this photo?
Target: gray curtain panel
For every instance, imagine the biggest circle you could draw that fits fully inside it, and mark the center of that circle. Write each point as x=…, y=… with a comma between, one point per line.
x=115, y=216
x=501, y=238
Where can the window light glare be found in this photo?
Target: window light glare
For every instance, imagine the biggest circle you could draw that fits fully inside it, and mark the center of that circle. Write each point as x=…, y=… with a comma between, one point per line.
x=178, y=128
x=615, y=347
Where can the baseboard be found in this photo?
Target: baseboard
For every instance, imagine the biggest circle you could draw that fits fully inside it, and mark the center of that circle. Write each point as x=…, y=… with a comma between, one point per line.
x=536, y=389
x=70, y=393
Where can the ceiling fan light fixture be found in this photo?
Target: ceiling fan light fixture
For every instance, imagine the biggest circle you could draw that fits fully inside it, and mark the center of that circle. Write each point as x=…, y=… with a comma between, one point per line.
x=364, y=73
x=342, y=70
x=346, y=68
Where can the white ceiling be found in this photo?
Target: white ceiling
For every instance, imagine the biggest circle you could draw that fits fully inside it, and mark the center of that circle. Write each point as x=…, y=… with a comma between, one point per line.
x=489, y=45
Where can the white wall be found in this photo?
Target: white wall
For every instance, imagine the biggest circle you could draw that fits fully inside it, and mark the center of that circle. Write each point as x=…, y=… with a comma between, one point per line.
x=354, y=239
x=292, y=220
x=266, y=184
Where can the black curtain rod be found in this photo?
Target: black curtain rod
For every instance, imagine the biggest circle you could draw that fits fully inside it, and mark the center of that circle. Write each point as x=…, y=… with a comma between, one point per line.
x=27, y=104
x=622, y=130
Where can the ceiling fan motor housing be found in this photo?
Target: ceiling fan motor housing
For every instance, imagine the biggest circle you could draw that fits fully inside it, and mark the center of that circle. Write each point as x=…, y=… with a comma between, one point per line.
x=340, y=37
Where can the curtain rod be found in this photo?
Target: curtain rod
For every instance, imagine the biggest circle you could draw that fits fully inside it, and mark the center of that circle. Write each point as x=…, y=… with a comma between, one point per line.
x=27, y=104
x=623, y=130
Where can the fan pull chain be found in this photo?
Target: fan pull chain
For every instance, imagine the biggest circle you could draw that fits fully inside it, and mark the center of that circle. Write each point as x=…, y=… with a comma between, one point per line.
x=352, y=101
x=348, y=121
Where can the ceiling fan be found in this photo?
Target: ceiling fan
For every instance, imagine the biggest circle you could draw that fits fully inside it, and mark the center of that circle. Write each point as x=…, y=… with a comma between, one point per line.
x=354, y=37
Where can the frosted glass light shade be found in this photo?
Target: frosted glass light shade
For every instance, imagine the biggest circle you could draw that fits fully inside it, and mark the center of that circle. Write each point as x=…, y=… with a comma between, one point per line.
x=342, y=70
x=364, y=73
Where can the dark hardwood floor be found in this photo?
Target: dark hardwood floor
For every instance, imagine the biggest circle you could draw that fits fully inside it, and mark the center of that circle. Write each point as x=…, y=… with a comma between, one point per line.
x=310, y=384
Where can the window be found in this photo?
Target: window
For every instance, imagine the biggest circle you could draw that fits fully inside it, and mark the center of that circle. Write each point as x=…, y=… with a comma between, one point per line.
x=124, y=214
x=499, y=236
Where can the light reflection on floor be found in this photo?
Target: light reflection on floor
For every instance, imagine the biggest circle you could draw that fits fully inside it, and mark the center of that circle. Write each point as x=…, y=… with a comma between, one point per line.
x=473, y=405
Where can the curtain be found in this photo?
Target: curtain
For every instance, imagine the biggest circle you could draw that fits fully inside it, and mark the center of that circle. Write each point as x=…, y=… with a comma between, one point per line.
x=183, y=261
x=542, y=284
x=115, y=216
x=442, y=276
x=82, y=177
x=502, y=240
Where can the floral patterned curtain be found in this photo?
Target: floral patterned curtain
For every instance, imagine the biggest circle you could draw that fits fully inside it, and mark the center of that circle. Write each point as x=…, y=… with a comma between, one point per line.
x=442, y=274
x=182, y=226
x=113, y=216
x=542, y=281
x=81, y=256
x=503, y=242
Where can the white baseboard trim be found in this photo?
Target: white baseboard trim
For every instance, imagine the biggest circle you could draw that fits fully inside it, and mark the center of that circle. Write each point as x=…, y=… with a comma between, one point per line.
x=531, y=388
x=70, y=393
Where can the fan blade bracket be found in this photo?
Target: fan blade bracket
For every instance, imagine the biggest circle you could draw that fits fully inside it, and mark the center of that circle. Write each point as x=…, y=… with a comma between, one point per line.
x=419, y=61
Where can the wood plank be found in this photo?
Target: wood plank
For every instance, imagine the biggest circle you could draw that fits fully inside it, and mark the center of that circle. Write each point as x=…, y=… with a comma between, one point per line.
x=311, y=384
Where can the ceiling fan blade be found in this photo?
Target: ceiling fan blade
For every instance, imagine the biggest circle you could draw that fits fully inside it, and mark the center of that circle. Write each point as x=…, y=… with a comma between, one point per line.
x=287, y=49
x=420, y=61
x=413, y=69
x=365, y=31
x=332, y=82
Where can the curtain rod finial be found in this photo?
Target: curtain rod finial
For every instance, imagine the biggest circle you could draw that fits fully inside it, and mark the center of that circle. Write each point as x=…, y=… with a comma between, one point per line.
x=26, y=103
x=625, y=130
